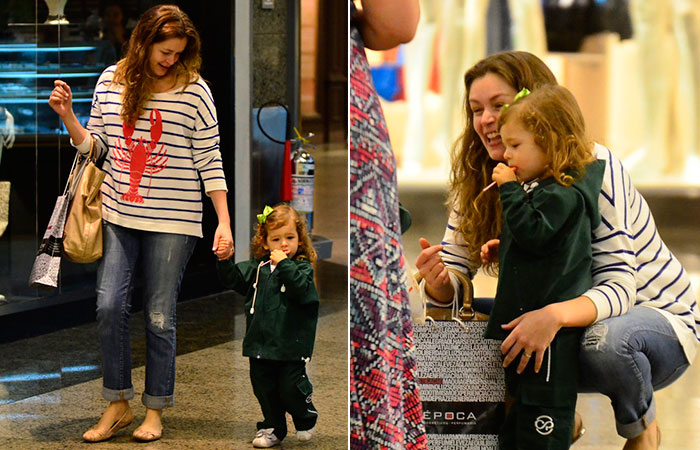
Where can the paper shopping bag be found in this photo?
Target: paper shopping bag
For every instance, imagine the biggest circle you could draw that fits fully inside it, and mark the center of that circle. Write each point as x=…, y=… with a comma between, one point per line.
x=460, y=376
x=48, y=259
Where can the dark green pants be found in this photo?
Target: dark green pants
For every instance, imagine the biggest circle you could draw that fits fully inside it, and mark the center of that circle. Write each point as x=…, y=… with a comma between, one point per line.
x=540, y=412
x=282, y=386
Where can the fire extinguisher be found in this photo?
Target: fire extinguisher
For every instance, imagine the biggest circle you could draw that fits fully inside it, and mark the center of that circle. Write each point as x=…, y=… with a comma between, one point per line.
x=297, y=184
x=303, y=168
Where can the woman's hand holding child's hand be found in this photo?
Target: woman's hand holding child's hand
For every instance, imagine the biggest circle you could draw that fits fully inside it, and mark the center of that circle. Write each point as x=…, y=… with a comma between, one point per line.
x=224, y=249
x=503, y=174
x=277, y=255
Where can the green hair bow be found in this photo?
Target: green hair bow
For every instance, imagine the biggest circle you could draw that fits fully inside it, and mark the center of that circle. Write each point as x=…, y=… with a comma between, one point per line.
x=266, y=212
x=524, y=92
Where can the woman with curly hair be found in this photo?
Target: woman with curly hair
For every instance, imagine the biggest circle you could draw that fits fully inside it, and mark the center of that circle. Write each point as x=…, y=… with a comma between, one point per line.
x=154, y=122
x=640, y=318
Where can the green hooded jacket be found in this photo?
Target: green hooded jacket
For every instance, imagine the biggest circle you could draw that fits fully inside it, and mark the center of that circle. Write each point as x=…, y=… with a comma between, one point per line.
x=545, y=245
x=281, y=325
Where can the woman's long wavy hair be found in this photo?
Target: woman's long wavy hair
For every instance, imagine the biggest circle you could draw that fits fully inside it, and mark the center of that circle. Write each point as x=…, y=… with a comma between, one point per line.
x=553, y=116
x=279, y=217
x=158, y=24
x=471, y=167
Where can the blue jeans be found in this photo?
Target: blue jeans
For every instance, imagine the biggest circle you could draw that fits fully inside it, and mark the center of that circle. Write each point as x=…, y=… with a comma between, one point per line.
x=161, y=259
x=627, y=358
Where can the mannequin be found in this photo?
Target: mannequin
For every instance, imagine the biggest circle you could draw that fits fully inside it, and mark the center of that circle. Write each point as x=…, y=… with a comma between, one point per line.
x=527, y=26
x=527, y=33
x=463, y=43
x=686, y=25
x=417, y=66
x=7, y=130
x=7, y=140
x=669, y=53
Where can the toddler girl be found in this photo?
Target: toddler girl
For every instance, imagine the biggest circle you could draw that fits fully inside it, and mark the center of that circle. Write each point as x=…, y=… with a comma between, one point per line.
x=549, y=193
x=281, y=314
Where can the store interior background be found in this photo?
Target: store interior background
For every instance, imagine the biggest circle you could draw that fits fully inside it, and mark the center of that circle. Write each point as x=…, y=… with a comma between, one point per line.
x=636, y=76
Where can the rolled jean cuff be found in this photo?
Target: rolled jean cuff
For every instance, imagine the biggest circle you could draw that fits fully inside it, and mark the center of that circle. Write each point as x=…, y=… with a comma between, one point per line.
x=152, y=402
x=634, y=429
x=113, y=395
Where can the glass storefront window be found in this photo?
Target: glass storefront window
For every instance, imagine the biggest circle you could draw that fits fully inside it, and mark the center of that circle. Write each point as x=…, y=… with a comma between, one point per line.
x=41, y=41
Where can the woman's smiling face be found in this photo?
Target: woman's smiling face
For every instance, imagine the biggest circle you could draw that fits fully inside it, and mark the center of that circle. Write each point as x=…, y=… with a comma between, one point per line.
x=165, y=54
x=487, y=96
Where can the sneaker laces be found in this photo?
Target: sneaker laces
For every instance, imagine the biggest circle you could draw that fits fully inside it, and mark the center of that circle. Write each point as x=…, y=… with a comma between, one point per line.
x=266, y=432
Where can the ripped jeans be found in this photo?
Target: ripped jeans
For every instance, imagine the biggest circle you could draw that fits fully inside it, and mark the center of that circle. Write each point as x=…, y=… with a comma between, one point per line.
x=161, y=259
x=627, y=358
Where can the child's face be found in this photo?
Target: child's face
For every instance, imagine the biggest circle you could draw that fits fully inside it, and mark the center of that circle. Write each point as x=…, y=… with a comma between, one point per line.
x=522, y=151
x=284, y=238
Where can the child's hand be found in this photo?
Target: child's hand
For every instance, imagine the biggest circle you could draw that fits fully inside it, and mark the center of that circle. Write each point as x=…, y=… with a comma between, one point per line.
x=224, y=249
x=489, y=251
x=503, y=174
x=276, y=256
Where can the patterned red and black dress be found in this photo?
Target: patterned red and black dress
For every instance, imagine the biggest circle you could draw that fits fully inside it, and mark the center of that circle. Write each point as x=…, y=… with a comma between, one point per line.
x=385, y=407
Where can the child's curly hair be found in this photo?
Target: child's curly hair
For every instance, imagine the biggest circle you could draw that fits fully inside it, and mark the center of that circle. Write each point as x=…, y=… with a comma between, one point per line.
x=279, y=217
x=553, y=116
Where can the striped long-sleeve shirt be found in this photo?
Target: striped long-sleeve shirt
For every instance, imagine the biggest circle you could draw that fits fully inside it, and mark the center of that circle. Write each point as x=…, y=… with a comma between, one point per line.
x=154, y=169
x=631, y=264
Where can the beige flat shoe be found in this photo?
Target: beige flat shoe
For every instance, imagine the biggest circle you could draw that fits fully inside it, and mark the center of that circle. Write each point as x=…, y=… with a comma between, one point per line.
x=146, y=436
x=579, y=429
x=93, y=435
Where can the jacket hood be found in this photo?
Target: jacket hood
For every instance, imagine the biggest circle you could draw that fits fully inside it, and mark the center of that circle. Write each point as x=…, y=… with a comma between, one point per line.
x=589, y=186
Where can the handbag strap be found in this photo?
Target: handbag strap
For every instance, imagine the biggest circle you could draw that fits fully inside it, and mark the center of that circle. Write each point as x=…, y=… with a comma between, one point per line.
x=462, y=313
x=466, y=312
x=79, y=163
x=72, y=172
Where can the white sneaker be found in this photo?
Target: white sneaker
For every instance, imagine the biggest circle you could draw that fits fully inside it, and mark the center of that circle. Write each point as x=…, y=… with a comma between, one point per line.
x=305, y=435
x=265, y=438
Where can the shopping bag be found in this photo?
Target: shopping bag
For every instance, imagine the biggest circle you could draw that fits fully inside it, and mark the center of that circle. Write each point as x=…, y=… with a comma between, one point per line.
x=47, y=263
x=82, y=236
x=460, y=376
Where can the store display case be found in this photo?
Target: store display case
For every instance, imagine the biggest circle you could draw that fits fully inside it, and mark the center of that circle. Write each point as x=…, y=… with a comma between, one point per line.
x=35, y=162
x=38, y=55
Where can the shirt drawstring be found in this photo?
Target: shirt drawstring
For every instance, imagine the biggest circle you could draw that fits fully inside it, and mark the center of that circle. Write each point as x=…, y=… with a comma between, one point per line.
x=255, y=285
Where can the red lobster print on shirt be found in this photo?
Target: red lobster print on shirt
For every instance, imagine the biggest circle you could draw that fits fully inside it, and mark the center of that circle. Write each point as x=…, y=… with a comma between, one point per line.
x=138, y=157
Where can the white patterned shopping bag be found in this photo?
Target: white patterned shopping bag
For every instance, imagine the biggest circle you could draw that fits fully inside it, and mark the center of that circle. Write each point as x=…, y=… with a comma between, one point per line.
x=460, y=377
x=48, y=259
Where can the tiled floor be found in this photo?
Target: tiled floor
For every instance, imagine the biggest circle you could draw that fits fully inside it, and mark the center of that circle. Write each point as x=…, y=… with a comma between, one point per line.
x=678, y=405
x=50, y=384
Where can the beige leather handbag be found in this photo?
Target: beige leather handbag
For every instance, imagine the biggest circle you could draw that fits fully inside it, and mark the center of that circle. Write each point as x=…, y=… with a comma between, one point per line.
x=82, y=237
